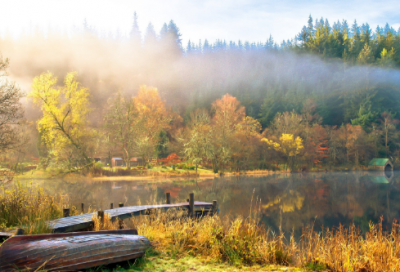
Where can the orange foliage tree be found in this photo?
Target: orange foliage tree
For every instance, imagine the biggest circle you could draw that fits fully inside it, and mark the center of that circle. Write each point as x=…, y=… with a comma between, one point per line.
x=228, y=113
x=151, y=117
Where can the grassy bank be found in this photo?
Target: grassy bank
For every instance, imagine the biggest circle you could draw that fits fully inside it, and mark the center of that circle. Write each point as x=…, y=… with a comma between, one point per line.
x=153, y=173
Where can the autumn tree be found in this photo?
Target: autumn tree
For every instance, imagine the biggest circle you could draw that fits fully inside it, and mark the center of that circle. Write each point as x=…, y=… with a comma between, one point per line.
x=198, y=143
x=288, y=123
x=246, y=141
x=151, y=117
x=11, y=111
x=288, y=145
x=357, y=143
x=121, y=126
x=389, y=128
x=63, y=126
x=228, y=113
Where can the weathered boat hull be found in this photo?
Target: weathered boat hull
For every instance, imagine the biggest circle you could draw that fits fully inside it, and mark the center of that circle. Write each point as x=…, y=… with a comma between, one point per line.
x=70, y=251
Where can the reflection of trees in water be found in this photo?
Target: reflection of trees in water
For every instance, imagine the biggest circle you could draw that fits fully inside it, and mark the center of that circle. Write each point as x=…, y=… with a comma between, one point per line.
x=289, y=200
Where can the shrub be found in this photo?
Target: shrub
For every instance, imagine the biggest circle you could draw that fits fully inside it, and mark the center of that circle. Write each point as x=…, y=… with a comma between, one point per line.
x=98, y=165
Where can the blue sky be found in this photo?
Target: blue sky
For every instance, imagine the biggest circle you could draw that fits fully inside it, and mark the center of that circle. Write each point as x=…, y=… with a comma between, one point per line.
x=252, y=20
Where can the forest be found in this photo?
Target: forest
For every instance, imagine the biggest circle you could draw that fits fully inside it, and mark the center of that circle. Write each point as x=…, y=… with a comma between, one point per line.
x=327, y=99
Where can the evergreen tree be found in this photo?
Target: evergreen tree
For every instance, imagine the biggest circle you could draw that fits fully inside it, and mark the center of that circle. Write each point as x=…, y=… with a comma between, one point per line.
x=270, y=43
x=150, y=37
x=135, y=34
x=206, y=46
x=310, y=27
x=189, y=47
x=174, y=34
x=164, y=32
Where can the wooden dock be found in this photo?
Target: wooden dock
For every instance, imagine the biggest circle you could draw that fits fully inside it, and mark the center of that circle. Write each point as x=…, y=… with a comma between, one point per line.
x=84, y=221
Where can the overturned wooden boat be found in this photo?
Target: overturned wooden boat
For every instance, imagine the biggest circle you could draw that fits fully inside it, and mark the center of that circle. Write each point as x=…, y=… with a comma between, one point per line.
x=71, y=251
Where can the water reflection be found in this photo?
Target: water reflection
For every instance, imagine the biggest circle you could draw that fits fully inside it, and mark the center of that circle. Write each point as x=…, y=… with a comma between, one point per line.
x=289, y=201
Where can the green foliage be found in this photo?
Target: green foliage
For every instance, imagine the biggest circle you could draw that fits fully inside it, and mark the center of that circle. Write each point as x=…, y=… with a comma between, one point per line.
x=315, y=266
x=162, y=145
x=98, y=165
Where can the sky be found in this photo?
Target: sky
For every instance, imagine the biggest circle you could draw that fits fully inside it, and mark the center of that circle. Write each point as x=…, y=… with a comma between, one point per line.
x=252, y=20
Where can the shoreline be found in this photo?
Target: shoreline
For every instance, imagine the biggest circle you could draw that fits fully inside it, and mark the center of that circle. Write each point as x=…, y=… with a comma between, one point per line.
x=173, y=176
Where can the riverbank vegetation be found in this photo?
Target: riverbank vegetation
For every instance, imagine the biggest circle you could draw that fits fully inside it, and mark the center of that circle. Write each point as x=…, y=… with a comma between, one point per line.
x=229, y=242
x=29, y=207
x=327, y=99
x=245, y=243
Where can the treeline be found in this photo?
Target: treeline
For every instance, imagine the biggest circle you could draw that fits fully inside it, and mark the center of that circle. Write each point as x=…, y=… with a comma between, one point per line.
x=347, y=77
x=224, y=138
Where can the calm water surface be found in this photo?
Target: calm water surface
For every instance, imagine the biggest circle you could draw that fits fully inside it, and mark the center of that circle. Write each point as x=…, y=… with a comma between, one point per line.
x=291, y=201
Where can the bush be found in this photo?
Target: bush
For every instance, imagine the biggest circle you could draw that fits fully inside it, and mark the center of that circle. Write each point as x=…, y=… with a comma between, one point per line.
x=98, y=165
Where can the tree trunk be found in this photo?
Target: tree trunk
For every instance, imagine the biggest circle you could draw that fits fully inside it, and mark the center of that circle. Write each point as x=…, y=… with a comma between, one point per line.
x=356, y=158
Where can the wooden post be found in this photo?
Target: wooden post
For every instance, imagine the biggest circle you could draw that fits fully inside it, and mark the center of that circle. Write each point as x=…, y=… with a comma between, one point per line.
x=120, y=221
x=112, y=206
x=100, y=215
x=83, y=208
x=168, y=198
x=20, y=232
x=66, y=212
x=191, y=204
x=214, y=207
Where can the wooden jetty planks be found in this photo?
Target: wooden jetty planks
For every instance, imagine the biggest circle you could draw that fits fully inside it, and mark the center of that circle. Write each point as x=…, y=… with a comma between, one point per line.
x=84, y=221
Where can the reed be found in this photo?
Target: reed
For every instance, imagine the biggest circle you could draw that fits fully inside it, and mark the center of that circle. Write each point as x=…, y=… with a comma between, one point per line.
x=241, y=241
x=28, y=207
x=245, y=241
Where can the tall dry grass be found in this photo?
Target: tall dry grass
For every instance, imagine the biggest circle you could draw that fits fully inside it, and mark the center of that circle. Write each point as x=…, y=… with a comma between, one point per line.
x=28, y=207
x=347, y=249
x=241, y=241
x=245, y=241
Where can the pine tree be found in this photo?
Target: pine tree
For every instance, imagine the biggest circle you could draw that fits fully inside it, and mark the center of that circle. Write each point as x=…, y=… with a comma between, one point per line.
x=150, y=37
x=189, y=47
x=206, y=46
x=174, y=34
x=310, y=27
x=164, y=32
x=270, y=43
x=135, y=34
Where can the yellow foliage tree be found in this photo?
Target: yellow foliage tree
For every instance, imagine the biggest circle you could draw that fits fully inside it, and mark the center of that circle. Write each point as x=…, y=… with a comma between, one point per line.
x=63, y=126
x=289, y=146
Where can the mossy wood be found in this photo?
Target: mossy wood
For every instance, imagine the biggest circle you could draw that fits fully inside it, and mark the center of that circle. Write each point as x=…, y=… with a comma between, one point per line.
x=84, y=221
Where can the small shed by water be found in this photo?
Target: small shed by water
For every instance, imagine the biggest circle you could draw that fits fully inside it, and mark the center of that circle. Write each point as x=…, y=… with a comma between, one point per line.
x=380, y=164
x=117, y=162
x=136, y=162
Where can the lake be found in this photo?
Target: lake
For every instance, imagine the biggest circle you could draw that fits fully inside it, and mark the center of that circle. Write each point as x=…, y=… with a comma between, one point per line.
x=291, y=201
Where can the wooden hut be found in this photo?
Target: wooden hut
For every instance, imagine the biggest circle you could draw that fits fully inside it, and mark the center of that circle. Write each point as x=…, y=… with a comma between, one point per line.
x=117, y=162
x=136, y=162
x=380, y=164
